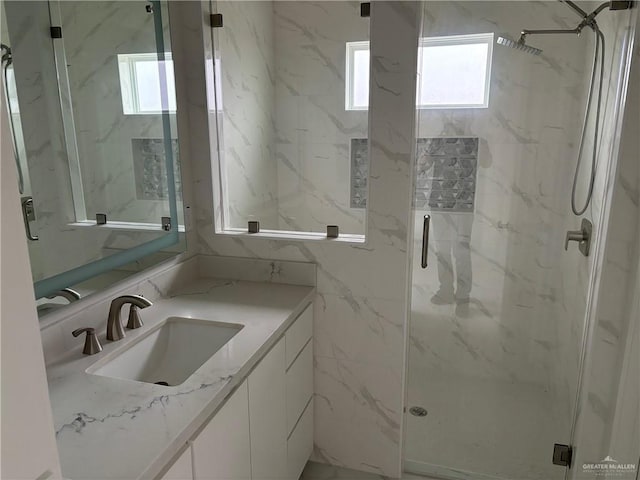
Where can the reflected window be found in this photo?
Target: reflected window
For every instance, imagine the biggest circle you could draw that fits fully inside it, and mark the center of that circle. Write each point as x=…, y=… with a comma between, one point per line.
x=454, y=72
x=143, y=92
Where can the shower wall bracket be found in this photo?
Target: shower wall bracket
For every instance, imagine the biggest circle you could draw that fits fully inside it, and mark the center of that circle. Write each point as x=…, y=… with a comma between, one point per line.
x=216, y=20
x=562, y=455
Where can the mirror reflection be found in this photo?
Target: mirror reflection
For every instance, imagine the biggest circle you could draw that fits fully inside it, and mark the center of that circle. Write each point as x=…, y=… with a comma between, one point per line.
x=91, y=94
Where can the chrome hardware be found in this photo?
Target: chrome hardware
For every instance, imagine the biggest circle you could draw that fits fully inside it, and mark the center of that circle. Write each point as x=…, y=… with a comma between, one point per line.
x=66, y=293
x=418, y=411
x=101, y=218
x=115, y=331
x=562, y=455
x=134, y=318
x=91, y=343
x=166, y=223
x=333, y=231
x=216, y=20
x=425, y=240
x=583, y=237
x=29, y=215
x=253, y=226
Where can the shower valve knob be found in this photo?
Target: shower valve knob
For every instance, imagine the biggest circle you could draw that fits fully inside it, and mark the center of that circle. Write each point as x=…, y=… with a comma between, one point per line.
x=583, y=237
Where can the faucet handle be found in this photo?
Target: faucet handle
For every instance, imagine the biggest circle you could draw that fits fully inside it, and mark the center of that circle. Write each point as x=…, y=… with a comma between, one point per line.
x=91, y=343
x=134, y=318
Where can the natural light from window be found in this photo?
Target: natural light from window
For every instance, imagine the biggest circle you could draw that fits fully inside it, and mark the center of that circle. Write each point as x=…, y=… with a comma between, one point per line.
x=454, y=72
x=140, y=84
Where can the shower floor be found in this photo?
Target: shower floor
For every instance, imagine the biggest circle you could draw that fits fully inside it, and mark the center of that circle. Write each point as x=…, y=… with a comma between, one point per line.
x=489, y=429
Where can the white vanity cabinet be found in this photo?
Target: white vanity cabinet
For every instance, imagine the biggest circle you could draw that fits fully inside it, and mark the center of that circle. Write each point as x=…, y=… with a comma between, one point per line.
x=268, y=416
x=299, y=392
x=182, y=468
x=264, y=430
x=222, y=450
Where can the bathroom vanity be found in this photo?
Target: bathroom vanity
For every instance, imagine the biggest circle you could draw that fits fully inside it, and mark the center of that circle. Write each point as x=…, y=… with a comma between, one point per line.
x=245, y=413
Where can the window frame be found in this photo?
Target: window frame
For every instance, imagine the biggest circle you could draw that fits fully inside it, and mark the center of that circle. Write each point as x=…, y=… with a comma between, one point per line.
x=453, y=40
x=351, y=49
x=129, y=82
x=425, y=42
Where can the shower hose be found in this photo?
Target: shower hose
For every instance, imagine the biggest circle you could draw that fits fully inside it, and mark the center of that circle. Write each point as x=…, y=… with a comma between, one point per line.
x=598, y=55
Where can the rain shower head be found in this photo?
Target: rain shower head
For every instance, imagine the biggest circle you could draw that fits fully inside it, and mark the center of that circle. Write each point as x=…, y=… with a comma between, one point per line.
x=518, y=45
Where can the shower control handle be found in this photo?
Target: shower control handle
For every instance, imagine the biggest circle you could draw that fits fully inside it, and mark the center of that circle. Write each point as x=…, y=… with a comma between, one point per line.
x=583, y=237
x=425, y=240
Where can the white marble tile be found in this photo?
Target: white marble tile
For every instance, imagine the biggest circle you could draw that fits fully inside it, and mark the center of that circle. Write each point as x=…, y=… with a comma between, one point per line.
x=366, y=330
x=357, y=415
x=258, y=270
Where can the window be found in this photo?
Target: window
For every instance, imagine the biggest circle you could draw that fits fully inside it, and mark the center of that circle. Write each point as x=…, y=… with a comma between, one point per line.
x=142, y=90
x=454, y=72
x=357, y=78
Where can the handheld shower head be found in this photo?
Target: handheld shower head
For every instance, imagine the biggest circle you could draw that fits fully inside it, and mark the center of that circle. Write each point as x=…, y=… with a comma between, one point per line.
x=518, y=45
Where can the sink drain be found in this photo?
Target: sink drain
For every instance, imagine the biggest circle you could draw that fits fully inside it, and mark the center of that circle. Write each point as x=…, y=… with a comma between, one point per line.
x=418, y=411
x=165, y=384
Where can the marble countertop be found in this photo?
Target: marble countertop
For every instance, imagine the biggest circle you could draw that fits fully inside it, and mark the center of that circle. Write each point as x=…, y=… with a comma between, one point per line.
x=114, y=428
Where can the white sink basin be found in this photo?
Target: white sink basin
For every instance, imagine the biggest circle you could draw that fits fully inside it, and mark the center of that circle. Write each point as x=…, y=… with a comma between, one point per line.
x=170, y=352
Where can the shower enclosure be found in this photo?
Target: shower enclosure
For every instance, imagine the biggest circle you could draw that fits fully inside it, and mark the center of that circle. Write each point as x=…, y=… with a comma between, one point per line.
x=499, y=305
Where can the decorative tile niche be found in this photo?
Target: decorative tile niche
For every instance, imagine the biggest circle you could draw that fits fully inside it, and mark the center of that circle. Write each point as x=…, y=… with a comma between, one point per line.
x=149, y=167
x=446, y=172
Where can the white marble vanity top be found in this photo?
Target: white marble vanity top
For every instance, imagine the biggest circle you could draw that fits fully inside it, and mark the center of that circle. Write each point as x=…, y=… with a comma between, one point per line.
x=122, y=429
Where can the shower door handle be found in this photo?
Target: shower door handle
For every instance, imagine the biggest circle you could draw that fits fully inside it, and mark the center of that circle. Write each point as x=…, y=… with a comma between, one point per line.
x=425, y=240
x=29, y=215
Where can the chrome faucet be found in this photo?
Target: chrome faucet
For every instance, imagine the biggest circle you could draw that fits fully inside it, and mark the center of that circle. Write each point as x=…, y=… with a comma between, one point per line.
x=114, y=323
x=67, y=293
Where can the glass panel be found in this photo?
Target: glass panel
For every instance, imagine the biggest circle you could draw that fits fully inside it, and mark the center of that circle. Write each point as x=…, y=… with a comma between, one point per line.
x=293, y=155
x=498, y=314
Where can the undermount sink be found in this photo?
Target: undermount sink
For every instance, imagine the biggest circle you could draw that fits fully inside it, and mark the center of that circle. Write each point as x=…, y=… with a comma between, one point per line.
x=170, y=352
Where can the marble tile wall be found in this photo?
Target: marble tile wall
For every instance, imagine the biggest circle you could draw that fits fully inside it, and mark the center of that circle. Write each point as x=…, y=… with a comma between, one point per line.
x=361, y=288
x=247, y=56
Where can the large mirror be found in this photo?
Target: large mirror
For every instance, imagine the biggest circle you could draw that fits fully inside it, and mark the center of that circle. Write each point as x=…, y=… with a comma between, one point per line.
x=91, y=95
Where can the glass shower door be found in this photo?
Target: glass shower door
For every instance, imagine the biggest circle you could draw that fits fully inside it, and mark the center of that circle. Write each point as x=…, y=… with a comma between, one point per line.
x=498, y=314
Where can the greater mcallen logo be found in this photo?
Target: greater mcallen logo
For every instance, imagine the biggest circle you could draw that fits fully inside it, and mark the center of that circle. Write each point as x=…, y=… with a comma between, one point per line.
x=608, y=467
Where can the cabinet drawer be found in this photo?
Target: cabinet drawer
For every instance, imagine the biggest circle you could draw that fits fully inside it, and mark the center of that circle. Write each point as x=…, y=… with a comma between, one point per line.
x=299, y=385
x=300, y=443
x=298, y=334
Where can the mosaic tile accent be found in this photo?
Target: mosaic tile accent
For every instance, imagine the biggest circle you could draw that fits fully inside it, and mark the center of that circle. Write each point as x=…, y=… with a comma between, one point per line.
x=446, y=174
x=359, y=172
x=150, y=171
x=446, y=171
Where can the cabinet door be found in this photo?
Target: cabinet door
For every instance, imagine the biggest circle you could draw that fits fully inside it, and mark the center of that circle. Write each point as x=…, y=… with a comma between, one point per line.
x=268, y=416
x=181, y=468
x=222, y=450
